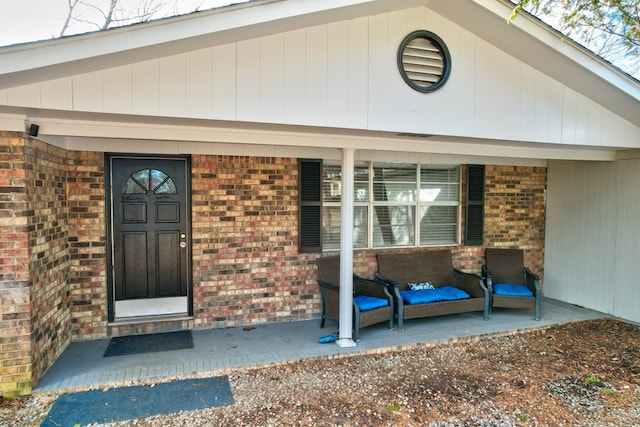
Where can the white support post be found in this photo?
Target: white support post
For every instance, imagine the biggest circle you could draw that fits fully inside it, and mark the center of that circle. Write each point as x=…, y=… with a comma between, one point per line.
x=345, y=338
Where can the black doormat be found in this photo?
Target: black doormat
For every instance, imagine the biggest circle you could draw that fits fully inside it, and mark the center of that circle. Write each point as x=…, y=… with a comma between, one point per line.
x=149, y=343
x=128, y=403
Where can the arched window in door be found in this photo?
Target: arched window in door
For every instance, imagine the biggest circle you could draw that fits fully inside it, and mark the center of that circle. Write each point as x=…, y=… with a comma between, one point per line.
x=146, y=180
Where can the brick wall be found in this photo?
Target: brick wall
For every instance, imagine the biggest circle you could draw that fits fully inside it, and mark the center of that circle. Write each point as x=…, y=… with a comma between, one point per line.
x=87, y=244
x=15, y=279
x=48, y=253
x=515, y=211
x=246, y=266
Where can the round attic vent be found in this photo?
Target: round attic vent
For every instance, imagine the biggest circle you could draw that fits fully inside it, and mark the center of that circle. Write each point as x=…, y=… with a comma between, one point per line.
x=424, y=61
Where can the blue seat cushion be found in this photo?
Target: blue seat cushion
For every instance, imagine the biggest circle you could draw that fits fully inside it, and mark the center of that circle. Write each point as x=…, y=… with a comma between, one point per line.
x=508, y=289
x=367, y=303
x=444, y=293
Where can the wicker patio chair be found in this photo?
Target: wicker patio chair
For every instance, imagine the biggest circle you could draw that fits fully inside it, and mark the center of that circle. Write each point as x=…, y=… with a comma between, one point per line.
x=510, y=283
x=372, y=302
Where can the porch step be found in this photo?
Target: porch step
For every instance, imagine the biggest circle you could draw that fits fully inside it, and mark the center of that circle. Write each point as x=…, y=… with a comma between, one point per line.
x=149, y=325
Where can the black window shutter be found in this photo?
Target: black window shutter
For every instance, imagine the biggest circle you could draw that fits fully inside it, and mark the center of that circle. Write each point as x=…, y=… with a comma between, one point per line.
x=310, y=205
x=474, y=232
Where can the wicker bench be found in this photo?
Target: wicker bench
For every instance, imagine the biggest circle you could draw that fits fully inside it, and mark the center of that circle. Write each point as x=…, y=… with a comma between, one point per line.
x=400, y=269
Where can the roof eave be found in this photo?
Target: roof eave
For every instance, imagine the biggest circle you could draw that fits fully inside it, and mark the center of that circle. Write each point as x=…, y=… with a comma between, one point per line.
x=22, y=64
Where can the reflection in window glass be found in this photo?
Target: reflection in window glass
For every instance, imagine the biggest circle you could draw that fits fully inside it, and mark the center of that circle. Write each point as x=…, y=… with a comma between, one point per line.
x=393, y=226
x=387, y=198
x=133, y=187
x=142, y=176
x=167, y=187
x=439, y=185
x=157, y=178
x=331, y=227
x=394, y=182
x=149, y=179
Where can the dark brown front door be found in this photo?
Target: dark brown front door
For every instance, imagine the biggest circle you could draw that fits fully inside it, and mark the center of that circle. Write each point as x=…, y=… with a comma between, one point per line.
x=150, y=236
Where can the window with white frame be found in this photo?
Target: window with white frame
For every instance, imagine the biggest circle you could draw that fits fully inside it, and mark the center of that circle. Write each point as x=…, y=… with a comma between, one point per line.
x=395, y=205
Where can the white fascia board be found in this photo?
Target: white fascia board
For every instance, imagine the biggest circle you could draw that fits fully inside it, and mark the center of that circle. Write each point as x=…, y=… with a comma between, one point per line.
x=182, y=136
x=567, y=47
x=13, y=122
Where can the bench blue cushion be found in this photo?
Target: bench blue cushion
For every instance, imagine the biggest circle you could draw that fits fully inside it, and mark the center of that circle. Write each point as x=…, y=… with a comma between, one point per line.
x=508, y=289
x=444, y=293
x=367, y=303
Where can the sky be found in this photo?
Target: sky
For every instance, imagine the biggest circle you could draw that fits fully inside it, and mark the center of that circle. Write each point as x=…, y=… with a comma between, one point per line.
x=31, y=20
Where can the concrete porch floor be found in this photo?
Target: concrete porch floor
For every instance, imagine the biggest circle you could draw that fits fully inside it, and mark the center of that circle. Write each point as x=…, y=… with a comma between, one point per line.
x=219, y=351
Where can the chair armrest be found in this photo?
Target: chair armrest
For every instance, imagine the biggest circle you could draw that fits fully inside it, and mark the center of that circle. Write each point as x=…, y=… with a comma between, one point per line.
x=388, y=282
x=328, y=286
x=532, y=281
x=373, y=288
x=488, y=279
x=471, y=283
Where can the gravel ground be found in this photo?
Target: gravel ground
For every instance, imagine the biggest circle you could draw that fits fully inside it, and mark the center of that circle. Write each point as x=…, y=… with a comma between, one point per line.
x=580, y=374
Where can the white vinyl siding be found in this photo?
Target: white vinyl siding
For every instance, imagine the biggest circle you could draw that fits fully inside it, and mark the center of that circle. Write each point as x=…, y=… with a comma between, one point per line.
x=592, y=235
x=344, y=75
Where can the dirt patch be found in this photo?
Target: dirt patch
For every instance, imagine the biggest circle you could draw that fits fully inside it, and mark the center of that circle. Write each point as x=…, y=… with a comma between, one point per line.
x=579, y=374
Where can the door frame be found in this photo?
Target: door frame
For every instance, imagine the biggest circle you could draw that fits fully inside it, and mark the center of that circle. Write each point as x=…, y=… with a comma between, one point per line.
x=108, y=194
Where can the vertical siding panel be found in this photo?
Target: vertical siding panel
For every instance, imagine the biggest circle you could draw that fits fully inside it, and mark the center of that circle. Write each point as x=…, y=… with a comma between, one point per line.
x=541, y=114
x=627, y=290
x=461, y=85
x=513, y=98
x=317, y=75
x=144, y=87
x=378, y=72
x=117, y=90
x=528, y=103
x=581, y=211
x=569, y=108
x=402, y=102
x=272, y=78
x=224, y=82
x=172, y=86
x=358, y=73
x=248, y=84
x=87, y=92
x=483, y=89
x=198, y=84
x=608, y=126
x=294, y=59
x=24, y=96
x=594, y=130
x=554, y=104
x=417, y=19
x=582, y=121
x=338, y=74
x=56, y=94
x=499, y=92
